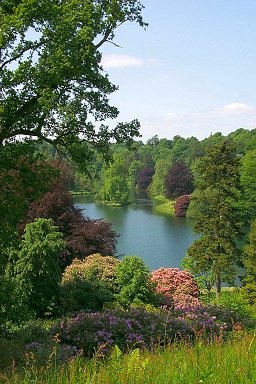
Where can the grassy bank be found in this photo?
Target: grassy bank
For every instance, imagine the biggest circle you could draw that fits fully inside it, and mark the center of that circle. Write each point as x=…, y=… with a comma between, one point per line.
x=164, y=205
x=214, y=363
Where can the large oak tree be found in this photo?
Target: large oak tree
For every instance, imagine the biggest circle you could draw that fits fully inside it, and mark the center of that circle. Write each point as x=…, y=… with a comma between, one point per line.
x=54, y=87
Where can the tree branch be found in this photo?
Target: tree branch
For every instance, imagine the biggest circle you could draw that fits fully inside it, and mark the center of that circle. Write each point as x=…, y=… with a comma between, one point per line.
x=18, y=55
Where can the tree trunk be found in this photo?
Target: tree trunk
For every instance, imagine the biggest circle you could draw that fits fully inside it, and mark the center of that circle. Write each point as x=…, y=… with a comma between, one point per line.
x=218, y=287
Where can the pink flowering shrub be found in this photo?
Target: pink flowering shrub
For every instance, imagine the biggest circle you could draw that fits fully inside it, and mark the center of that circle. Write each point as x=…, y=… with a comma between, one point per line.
x=181, y=205
x=177, y=287
x=182, y=300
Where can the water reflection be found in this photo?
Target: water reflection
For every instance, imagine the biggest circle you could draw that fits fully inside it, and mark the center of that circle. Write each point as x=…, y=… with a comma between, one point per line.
x=161, y=241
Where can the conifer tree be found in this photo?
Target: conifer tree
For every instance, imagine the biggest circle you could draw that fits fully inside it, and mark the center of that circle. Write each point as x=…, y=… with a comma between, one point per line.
x=217, y=220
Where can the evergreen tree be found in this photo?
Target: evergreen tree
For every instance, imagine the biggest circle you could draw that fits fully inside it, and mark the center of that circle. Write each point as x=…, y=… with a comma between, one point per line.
x=250, y=255
x=217, y=219
x=37, y=268
x=247, y=202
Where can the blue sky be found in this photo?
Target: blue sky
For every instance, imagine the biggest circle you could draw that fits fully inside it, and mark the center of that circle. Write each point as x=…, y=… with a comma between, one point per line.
x=191, y=73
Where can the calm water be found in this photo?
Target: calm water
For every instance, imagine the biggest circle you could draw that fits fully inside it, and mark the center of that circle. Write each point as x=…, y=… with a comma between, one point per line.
x=161, y=241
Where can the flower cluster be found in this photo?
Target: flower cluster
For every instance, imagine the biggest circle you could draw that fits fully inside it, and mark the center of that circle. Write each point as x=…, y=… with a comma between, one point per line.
x=90, y=333
x=98, y=332
x=179, y=287
x=103, y=267
x=208, y=321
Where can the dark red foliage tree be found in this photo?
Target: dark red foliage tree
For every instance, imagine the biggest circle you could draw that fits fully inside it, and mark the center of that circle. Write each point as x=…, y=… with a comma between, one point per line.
x=82, y=235
x=181, y=205
x=144, y=178
x=178, y=181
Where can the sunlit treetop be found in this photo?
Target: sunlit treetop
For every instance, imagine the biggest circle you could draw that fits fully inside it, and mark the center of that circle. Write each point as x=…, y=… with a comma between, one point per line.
x=53, y=86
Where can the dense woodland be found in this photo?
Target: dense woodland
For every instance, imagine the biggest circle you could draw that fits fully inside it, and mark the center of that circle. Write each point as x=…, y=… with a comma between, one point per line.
x=63, y=291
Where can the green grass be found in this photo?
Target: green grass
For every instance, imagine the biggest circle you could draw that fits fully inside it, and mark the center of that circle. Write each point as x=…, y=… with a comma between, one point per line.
x=232, y=362
x=90, y=195
x=164, y=205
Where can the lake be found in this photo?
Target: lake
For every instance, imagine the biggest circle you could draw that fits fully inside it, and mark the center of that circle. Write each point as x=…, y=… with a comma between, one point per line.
x=161, y=241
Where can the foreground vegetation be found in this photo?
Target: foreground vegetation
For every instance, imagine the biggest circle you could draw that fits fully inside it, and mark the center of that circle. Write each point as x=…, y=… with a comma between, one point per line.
x=213, y=363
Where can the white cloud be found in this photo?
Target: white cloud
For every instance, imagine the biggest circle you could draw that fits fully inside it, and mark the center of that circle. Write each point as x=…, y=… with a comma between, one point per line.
x=172, y=115
x=235, y=108
x=121, y=61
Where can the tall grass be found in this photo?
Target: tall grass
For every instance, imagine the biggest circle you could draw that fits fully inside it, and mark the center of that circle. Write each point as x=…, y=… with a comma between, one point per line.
x=232, y=362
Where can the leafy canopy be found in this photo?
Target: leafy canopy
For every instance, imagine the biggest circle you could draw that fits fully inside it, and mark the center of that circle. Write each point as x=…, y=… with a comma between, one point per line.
x=53, y=85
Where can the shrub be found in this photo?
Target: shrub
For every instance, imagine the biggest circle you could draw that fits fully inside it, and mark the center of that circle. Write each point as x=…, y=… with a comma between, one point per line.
x=178, y=285
x=235, y=301
x=134, y=283
x=37, y=269
x=182, y=300
x=248, y=293
x=181, y=205
x=92, y=333
x=102, y=267
x=208, y=321
x=88, y=284
x=99, y=332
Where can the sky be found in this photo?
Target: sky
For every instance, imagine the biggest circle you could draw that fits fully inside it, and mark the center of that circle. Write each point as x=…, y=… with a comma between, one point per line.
x=192, y=72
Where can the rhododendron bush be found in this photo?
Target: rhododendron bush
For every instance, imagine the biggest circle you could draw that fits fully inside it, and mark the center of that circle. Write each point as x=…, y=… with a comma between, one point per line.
x=178, y=288
x=181, y=205
x=89, y=283
x=101, y=267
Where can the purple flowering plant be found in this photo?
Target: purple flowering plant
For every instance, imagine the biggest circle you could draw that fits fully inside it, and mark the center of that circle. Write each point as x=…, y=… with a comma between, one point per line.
x=139, y=328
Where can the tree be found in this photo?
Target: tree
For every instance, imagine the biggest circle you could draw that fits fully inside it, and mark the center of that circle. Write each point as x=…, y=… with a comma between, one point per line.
x=115, y=188
x=24, y=177
x=144, y=178
x=157, y=187
x=179, y=180
x=53, y=84
x=83, y=236
x=133, y=280
x=37, y=268
x=217, y=220
x=247, y=202
x=249, y=257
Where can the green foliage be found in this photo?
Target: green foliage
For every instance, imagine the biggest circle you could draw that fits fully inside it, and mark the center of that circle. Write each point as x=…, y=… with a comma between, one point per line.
x=115, y=188
x=24, y=176
x=12, y=309
x=205, y=279
x=164, y=205
x=217, y=220
x=50, y=52
x=162, y=167
x=249, y=255
x=133, y=280
x=248, y=292
x=234, y=300
x=222, y=363
x=37, y=270
x=247, y=203
x=88, y=284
